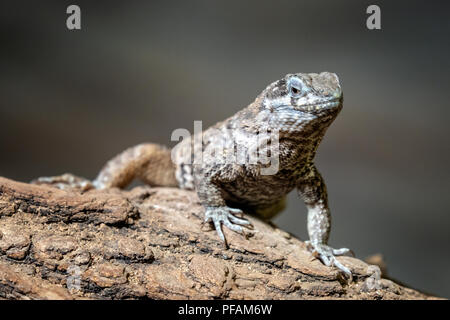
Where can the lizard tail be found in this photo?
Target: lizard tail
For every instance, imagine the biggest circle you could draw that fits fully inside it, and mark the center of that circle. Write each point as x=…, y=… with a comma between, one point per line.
x=148, y=162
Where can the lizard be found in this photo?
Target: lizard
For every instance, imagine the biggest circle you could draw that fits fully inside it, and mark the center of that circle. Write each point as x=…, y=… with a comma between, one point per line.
x=297, y=109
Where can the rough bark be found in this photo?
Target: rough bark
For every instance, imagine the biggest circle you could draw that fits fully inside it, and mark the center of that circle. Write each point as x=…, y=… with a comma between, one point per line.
x=151, y=243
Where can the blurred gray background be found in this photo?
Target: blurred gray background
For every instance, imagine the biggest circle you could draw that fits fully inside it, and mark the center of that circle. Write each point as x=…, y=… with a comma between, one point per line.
x=70, y=100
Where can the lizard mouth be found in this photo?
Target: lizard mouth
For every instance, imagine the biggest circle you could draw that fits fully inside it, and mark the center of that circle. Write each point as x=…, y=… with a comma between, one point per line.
x=324, y=105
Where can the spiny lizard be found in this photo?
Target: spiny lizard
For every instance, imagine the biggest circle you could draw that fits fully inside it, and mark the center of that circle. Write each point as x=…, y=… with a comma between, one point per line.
x=297, y=108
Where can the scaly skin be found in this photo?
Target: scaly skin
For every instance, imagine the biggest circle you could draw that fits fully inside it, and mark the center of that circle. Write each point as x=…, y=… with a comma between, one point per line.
x=296, y=110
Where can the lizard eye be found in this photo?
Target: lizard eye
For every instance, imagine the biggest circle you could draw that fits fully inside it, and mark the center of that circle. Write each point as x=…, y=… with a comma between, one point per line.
x=295, y=88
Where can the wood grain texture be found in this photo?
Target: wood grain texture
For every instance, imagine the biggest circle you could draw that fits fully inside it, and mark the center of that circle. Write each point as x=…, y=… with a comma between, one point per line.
x=152, y=243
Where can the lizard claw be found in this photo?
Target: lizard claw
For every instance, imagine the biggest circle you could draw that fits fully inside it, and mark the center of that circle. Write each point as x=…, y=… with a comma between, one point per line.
x=328, y=256
x=224, y=216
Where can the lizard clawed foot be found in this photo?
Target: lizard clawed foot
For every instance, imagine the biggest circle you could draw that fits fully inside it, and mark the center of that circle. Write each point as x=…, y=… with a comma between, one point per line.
x=328, y=255
x=225, y=216
x=66, y=181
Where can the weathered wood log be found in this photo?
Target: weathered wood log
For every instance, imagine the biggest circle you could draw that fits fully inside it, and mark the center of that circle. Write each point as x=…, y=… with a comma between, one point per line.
x=152, y=243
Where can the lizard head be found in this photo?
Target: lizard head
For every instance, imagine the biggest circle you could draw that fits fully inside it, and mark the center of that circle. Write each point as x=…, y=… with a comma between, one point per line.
x=300, y=99
x=310, y=93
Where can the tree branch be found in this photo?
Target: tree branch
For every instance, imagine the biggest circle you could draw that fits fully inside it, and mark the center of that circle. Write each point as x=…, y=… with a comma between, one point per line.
x=151, y=243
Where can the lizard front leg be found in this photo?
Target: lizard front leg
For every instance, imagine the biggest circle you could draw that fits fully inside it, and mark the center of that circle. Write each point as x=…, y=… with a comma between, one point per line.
x=313, y=191
x=216, y=210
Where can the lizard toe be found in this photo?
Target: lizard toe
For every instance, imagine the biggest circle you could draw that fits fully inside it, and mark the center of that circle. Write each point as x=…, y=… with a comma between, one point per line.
x=328, y=255
x=343, y=252
x=224, y=216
